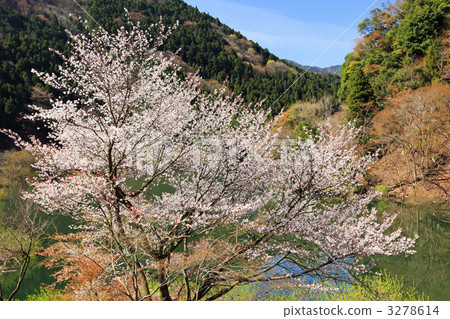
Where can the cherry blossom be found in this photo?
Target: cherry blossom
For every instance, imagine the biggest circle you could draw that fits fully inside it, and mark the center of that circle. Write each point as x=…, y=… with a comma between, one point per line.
x=241, y=199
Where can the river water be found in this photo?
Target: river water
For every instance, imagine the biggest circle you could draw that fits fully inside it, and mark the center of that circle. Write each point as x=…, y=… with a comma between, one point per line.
x=428, y=270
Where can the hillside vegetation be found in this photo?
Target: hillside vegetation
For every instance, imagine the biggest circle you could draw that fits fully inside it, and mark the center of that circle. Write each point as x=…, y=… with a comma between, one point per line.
x=399, y=66
x=220, y=52
x=28, y=28
x=24, y=44
x=395, y=84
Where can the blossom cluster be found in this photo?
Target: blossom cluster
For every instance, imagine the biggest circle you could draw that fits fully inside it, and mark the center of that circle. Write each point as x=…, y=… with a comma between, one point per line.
x=135, y=123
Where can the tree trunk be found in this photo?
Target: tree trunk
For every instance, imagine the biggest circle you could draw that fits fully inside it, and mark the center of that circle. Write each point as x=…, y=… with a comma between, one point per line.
x=162, y=279
x=145, y=292
x=23, y=270
x=133, y=264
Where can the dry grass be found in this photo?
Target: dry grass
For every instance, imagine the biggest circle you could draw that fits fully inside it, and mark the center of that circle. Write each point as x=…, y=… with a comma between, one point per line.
x=413, y=132
x=279, y=66
x=137, y=16
x=190, y=25
x=313, y=113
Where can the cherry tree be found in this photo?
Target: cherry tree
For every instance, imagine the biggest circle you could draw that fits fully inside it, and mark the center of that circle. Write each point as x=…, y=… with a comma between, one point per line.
x=238, y=203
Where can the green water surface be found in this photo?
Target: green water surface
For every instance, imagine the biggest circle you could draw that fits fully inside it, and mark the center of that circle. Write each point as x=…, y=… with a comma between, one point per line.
x=428, y=270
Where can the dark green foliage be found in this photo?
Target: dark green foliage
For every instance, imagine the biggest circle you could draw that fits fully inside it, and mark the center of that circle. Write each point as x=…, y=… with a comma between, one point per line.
x=400, y=49
x=24, y=46
x=201, y=45
x=433, y=60
x=421, y=25
x=360, y=98
x=199, y=41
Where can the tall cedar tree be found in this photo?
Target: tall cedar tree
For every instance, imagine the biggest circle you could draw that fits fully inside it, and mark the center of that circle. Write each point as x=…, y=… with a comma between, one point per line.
x=360, y=99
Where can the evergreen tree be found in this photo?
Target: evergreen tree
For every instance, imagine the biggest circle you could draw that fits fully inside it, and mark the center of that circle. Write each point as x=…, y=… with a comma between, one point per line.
x=361, y=96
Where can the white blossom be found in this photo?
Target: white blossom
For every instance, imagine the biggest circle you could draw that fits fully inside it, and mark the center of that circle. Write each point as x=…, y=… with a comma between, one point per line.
x=133, y=118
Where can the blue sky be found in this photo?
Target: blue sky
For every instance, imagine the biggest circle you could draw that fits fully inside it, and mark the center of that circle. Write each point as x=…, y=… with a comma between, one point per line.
x=298, y=30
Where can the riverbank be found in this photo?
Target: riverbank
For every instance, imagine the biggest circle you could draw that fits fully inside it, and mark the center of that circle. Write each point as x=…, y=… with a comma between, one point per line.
x=392, y=175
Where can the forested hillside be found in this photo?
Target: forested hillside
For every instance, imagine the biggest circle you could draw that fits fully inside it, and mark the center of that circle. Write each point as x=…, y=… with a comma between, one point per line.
x=403, y=46
x=219, y=51
x=24, y=44
x=29, y=28
x=395, y=83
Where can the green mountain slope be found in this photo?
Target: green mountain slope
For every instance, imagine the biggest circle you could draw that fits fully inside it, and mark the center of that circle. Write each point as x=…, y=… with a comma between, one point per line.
x=403, y=46
x=396, y=86
x=221, y=53
x=24, y=44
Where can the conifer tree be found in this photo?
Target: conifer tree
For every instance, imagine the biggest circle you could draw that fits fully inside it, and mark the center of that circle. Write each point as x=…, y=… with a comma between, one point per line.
x=361, y=97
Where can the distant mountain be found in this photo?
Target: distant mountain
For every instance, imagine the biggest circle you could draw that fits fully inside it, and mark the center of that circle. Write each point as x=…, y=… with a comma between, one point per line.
x=334, y=69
